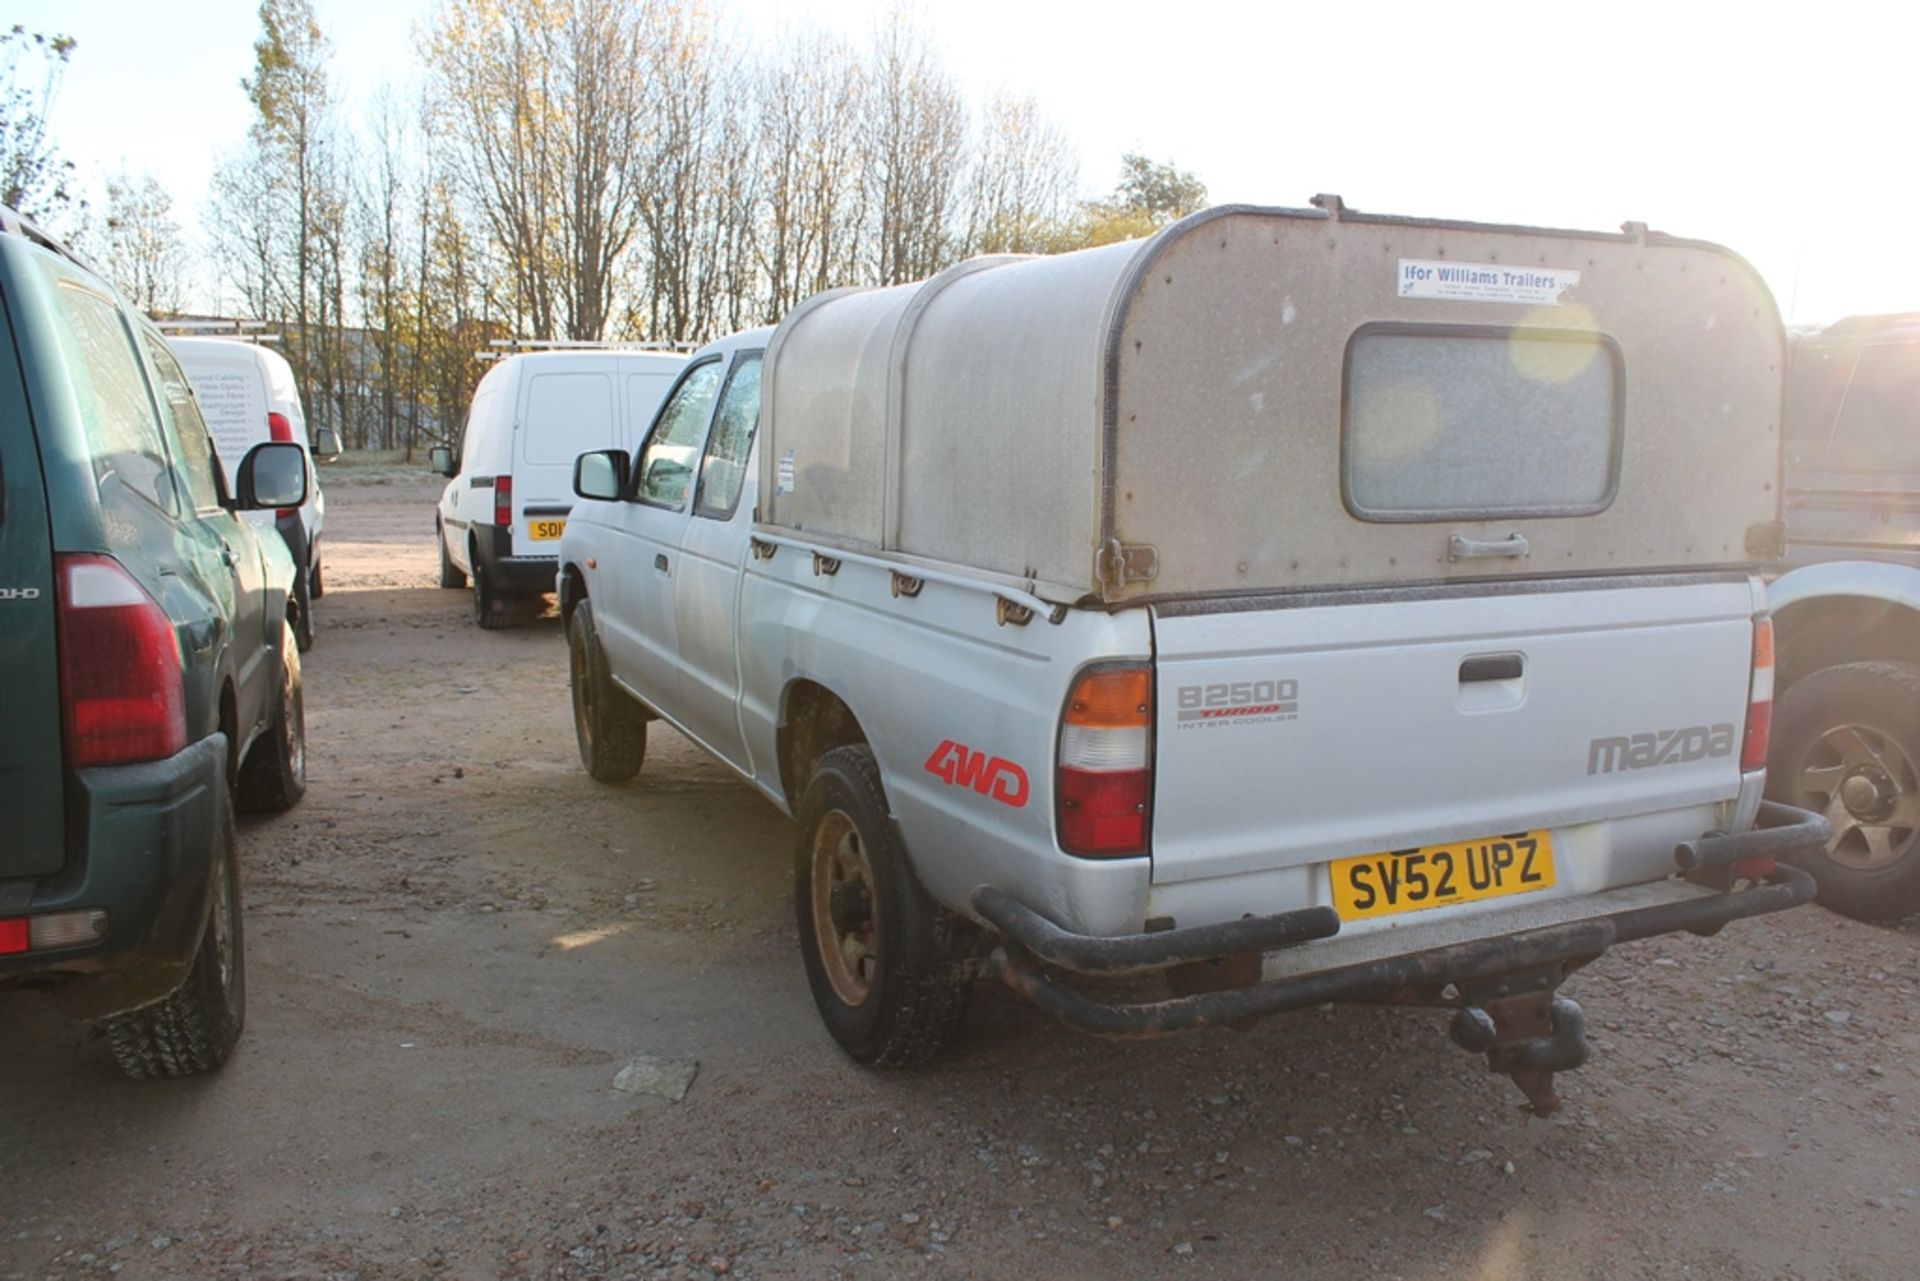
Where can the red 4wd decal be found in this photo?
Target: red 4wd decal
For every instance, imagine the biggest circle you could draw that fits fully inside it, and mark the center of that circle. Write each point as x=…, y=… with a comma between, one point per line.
x=958, y=765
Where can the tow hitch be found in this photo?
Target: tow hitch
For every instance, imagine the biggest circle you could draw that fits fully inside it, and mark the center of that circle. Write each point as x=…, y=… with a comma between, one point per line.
x=1529, y=1037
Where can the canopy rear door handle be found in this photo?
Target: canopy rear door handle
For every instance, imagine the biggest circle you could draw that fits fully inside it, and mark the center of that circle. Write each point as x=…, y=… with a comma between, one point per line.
x=1460, y=547
x=660, y=562
x=1491, y=667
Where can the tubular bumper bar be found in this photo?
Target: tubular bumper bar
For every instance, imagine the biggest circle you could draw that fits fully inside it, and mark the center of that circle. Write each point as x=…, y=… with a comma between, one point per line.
x=1035, y=945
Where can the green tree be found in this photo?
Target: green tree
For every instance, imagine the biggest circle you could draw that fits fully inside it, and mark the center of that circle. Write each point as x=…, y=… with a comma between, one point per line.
x=1150, y=195
x=33, y=177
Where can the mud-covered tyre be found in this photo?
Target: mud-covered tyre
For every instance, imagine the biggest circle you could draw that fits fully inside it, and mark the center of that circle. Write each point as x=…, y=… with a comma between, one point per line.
x=273, y=777
x=1846, y=743
x=492, y=608
x=451, y=576
x=195, y=1029
x=316, y=586
x=887, y=965
x=609, y=725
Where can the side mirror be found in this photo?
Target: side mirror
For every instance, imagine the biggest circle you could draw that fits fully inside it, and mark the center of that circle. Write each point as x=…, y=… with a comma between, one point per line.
x=440, y=458
x=273, y=474
x=326, y=444
x=601, y=474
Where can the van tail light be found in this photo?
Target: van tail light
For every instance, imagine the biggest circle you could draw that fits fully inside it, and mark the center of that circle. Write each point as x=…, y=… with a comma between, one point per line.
x=503, y=501
x=121, y=696
x=1753, y=751
x=1104, y=781
x=280, y=428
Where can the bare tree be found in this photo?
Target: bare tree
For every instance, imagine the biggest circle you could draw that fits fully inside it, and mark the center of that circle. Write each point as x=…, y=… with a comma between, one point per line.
x=1020, y=191
x=144, y=251
x=812, y=181
x=916, y=134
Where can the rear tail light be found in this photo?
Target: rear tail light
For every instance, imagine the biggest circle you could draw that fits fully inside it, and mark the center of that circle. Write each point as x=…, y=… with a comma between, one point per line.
x=1753, y=751
x=120, y=688
x=1104, y=780
x=503, y=501
x=52, y=931
x=280, y=428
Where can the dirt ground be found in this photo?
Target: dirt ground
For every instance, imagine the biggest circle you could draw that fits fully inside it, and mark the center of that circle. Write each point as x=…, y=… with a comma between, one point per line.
x=457, y=939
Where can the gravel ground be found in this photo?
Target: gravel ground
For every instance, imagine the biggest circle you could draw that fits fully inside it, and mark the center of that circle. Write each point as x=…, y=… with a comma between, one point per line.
x=457, y=940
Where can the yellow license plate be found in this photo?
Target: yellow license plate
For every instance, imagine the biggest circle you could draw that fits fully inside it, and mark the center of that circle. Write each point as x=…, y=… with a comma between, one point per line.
x=545, y=531
x=1442, y=875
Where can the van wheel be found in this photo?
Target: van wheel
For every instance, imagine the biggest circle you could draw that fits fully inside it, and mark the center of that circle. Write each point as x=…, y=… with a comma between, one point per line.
x=1846, y=743
x=450, y=575
x=273, y=778
x=315, y=588
x=887, y=964
x=610, y=727
x=491, y=610
x=194, y=1029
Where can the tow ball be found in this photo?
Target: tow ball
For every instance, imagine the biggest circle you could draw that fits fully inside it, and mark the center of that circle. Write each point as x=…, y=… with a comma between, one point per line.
x=1529, y=1037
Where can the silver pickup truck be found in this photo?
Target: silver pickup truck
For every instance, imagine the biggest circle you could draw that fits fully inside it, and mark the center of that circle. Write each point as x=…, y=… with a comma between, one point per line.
x=1295, y=606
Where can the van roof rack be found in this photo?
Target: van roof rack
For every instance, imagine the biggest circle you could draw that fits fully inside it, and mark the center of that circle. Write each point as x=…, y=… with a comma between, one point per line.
x=500, y=348
x=250, y=330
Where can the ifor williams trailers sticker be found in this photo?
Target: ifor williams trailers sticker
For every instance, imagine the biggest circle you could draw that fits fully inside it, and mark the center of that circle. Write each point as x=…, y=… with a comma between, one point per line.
x=1485, y=282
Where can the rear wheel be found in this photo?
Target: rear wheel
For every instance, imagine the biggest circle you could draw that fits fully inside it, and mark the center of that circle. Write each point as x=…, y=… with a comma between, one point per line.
x=887, y=964
x=274, y=775
x=609, y=725
x=450, y=575
x=492, y=609
x=195, y=1029
x=1846, y=744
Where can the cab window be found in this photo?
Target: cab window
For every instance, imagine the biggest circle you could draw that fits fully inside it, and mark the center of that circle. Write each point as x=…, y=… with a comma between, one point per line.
x=122, y=426
x=667, y=460
x=723, y=471
x=193, y=446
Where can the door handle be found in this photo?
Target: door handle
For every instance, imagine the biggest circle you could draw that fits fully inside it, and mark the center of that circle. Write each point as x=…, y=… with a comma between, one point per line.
x=1492, y=667
x=1463, y=548
x=660, y=562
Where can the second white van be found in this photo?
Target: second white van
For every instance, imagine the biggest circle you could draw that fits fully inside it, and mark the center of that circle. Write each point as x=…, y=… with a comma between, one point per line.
x=510, y=475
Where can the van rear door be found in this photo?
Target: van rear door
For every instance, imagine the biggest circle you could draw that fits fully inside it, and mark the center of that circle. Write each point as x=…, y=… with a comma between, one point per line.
x=566, y=409
x=31, y=793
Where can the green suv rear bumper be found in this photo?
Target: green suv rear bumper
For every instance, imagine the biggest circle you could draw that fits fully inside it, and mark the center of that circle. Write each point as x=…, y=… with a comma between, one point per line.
x=141, y=842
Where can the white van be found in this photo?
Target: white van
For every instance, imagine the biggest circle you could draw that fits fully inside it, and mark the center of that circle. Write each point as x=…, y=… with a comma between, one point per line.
x=507, y=499
x=247, y=394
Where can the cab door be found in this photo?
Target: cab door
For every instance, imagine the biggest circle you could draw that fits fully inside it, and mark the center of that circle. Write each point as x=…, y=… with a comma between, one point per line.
x=706, y=591
x=643, y=542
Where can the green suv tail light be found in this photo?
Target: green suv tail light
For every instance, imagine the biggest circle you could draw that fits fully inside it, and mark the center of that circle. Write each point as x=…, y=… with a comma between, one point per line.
x=120, y=686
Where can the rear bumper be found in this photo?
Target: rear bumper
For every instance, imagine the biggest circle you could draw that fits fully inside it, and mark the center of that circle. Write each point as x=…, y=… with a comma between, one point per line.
x=493, y=547
x=141, y=849
x=1036, y=951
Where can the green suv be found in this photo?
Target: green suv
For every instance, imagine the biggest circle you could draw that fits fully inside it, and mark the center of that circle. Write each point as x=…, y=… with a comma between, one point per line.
x=149, y=681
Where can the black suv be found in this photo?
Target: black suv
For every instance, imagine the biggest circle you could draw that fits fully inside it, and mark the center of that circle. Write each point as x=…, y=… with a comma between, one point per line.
x=148, y=675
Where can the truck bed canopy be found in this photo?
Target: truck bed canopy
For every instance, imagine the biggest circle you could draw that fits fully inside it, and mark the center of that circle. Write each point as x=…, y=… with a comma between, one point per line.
x=1261, y=400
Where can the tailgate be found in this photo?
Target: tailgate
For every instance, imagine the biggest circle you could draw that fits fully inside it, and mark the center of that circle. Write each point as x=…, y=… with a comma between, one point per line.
x=30, y=771
x=1293, y=735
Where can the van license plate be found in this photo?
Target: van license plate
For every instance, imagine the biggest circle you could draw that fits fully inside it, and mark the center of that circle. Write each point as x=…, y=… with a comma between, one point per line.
x=545, y=531
x=1442, y=875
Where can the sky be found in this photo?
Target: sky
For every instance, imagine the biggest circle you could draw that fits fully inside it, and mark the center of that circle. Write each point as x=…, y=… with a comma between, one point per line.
x=1784, y=132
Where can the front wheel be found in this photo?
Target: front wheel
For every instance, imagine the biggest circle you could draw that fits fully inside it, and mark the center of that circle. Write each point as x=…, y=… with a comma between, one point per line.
x=887, y=964
x=609, y=726
x=195, y=1028
x=450, y=574
x=1846, y=744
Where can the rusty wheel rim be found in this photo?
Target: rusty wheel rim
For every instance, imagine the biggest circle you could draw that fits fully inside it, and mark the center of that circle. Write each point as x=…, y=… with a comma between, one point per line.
x=1863, y=782
x=845, y=916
